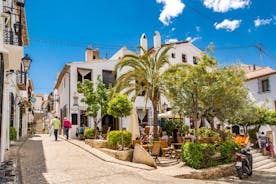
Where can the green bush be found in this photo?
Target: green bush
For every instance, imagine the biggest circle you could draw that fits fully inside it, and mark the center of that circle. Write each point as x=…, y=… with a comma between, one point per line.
x=13, y=134
x=114, y=138
x=227, y=150
x=88, y=133
x=204, y=132
x=252, y=133
x=170, y=124
x=198, y=155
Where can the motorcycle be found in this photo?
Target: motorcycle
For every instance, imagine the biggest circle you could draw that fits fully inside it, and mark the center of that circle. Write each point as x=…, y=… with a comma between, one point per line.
x=244, y=163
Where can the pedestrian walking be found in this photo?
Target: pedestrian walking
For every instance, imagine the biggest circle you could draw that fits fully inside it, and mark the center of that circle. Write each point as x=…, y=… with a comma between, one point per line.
x=263, y=142
x=67, y=125
x=56, y=125
x=271, y=148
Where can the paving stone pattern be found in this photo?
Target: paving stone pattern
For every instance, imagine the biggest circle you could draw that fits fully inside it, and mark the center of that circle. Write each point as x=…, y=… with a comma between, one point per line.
x=44, y=160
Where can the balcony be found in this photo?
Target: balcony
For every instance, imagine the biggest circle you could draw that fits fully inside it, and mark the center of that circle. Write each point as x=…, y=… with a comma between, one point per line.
x=11, y=38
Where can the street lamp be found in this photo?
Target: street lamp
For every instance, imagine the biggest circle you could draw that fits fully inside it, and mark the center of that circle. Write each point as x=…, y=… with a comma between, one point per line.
x=26, y=60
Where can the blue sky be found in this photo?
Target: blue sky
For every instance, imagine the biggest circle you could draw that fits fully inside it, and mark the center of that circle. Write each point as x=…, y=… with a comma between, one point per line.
x=60, y=30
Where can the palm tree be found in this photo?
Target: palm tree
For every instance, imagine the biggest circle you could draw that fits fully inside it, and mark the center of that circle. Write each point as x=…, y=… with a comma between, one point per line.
x=142, y=74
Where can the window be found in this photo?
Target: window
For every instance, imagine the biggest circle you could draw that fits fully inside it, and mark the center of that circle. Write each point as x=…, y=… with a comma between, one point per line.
x=184, y=59
x=264, y=85
x=194, y=60
x=108, y=78
x=79, y=77
x=11, y=109
x=74, y=119
x=173, y=55
x=84, y=74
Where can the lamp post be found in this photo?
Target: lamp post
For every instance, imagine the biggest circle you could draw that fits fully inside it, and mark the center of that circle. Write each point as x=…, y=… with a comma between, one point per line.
x=26, y=61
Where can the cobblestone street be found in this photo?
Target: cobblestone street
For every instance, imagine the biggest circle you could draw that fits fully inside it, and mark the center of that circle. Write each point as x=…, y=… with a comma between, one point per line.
x=45, y=161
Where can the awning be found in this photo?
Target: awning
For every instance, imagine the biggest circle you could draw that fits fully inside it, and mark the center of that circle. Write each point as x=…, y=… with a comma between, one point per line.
x=169, y=114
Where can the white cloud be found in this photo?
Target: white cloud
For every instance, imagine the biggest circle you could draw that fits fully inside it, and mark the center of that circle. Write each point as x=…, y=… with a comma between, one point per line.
x=171, y=40
x=260, y=22
x=173, y=29
x=171, y=9
x=190, y=39
x=225, y=5
x=228, y=25
x=197, y=28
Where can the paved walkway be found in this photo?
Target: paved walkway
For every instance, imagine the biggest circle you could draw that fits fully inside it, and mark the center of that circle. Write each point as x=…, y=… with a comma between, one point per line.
x=44, y=160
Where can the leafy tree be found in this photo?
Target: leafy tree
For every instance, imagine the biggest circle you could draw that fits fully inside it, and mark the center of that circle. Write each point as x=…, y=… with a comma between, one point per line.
x=96, y=98
x=120, y=106
x=143, y=75
x=206, y=91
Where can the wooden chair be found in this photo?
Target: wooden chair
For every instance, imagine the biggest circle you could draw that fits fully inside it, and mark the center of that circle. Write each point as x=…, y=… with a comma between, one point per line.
x=155, y=151
x=166, y=151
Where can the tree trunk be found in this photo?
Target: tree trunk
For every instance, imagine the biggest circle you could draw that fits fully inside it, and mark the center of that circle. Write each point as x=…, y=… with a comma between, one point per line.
x=155, y=121
x=122, y=136
x=95, y=127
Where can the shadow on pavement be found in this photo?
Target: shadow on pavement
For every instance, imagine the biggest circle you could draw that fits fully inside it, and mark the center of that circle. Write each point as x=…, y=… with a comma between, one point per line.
x=257, y=177
x=32, y=161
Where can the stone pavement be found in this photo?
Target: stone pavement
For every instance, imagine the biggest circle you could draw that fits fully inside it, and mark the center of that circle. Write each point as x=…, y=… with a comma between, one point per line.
x=44, y=160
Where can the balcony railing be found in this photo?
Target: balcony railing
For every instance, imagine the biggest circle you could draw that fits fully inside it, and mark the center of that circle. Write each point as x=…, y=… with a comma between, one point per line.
x=11, y=38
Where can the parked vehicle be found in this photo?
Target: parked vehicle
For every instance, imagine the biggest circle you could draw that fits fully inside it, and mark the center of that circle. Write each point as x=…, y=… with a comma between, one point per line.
x=244, y=163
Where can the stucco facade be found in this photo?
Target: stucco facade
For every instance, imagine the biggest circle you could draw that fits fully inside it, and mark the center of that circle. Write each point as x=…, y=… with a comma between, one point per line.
x=14, y=94
x=261, y=83
x=66, y=84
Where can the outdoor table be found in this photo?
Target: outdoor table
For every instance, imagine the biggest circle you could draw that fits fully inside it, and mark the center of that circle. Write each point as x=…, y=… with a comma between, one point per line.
x=177, y=145
x=147, y=147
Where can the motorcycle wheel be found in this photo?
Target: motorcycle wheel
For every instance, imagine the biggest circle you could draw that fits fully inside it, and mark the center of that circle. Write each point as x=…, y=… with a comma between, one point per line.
x=240, y=174
x=250, y=173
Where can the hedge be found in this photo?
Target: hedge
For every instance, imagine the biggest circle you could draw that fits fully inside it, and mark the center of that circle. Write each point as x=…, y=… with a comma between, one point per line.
x=114, y=138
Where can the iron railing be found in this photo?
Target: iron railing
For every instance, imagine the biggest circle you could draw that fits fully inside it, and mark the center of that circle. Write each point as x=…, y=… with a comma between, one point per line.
x=11, y=38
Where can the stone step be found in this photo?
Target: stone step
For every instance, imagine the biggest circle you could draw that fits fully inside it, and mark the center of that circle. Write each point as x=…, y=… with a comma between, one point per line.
x=262, y=163
x=267, y=166
x=259, y=158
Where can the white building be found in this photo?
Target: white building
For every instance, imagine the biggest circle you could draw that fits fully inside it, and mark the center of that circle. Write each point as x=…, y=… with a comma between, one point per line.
x=15, y=88
x=65, y=91
x=261, y=82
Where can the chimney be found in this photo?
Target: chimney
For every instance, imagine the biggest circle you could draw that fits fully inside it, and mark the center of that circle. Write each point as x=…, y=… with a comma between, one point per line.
x=143, y=43
x=156, y=40
x=254, y=67
x=91, y=54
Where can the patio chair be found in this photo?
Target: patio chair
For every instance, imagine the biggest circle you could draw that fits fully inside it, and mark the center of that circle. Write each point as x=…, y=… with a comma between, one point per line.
x=155, y=151
x=166, y=150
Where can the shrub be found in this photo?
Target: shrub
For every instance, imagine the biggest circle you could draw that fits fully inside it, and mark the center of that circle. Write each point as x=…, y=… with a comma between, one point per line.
x=227, y=150
x=204, y=132
x=88, y=133
x=252, y=133
x=114, y=138
x=198, y=155
x=171, y=124
x=13, y=134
